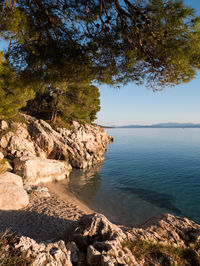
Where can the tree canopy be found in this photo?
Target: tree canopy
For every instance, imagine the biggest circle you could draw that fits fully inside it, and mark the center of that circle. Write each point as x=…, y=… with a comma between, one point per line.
x=76, y=42
x=13, y=94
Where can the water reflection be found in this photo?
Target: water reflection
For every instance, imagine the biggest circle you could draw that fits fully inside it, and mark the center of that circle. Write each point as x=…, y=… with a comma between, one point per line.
x=85, y=183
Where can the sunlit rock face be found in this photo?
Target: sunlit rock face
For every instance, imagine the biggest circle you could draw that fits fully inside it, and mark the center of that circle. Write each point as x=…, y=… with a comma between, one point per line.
x=105, y=243
x=44, y=253
x=35, y=145
x=12, y=194
x=35, y=170
x=167, y=229
x=83, y=146
x=94, y=240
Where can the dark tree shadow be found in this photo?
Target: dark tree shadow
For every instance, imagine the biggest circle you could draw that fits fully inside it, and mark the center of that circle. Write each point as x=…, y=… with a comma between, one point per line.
x=39, y=227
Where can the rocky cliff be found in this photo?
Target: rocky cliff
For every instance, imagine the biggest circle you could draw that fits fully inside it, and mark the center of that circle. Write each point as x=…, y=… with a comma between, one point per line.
x=36, y=153
x=39, y=153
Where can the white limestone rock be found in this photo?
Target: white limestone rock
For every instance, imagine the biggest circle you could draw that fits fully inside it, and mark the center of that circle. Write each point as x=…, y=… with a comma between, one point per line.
x=104, y=240
x=12, y=194
x=3, y=125
x=35, y=170
x=106, y=260
x=82, y=147
x=51, y=254
x=93, y=256
x=97, y=235
x=1, y=155
x=168, y=229
x=96, y=228
x=12, y=179
x=98, y=242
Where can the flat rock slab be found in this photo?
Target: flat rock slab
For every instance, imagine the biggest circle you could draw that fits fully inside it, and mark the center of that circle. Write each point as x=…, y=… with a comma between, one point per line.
x=36, y=170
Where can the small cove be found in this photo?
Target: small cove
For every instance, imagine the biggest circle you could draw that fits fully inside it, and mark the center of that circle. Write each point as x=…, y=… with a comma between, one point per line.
x=146, y=172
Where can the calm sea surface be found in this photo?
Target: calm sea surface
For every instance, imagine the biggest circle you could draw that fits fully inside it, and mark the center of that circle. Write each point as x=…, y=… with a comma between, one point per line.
x=146, y=172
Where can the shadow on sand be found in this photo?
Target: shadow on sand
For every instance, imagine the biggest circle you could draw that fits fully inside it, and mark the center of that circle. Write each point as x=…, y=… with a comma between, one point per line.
x=39, y=227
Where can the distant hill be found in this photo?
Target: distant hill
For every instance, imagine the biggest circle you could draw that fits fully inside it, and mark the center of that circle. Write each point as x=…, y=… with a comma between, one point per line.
x=107, y=126
x=164, y=125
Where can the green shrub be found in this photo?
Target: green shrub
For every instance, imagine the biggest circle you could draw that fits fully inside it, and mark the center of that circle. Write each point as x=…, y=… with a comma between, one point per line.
x=167, y=255
x=3, y=166
x=9, y=255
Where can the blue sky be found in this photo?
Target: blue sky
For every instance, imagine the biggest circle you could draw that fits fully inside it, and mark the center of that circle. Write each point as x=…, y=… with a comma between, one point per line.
x=138, y=105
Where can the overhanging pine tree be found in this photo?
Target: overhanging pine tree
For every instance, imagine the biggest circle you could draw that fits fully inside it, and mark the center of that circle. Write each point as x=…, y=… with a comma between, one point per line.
x=69, y=41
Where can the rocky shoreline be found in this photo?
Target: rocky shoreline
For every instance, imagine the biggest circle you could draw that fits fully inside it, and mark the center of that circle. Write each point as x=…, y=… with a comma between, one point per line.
x=53, y=227
x=53, y=231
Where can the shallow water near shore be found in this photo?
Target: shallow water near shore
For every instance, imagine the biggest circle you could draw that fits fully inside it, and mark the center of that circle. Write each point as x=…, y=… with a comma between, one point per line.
x=146, y=172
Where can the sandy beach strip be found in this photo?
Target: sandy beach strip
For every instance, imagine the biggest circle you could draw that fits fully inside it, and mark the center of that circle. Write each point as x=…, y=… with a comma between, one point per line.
x=45, y=218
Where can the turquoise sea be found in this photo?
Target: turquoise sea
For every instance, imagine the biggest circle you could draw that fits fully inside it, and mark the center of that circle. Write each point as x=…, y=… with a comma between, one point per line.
x=146, y=172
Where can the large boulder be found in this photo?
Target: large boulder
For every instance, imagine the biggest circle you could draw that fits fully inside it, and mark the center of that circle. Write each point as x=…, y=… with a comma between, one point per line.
x=11, y=178
x=100, y=240
x=35, y=170
x=94, y=229
x=12, y=194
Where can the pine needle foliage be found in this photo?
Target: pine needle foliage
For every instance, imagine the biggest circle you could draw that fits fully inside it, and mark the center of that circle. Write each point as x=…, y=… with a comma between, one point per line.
x=3, y=166
x=111, y=41
x=67, y=44
x=160, y=254
x=9, y=255
x=13, y=94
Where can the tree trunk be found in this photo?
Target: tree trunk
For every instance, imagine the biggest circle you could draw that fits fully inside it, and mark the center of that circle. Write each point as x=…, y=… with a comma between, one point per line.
x=41, y=100
x=54, y=112
x=54, y=115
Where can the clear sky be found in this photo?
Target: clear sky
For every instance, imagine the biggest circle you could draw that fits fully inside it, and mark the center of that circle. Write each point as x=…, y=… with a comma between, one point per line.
x=138, y=105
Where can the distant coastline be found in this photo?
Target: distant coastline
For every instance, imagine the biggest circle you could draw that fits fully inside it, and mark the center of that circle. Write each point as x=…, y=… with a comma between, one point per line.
x=162, y=125
x=107, y=126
